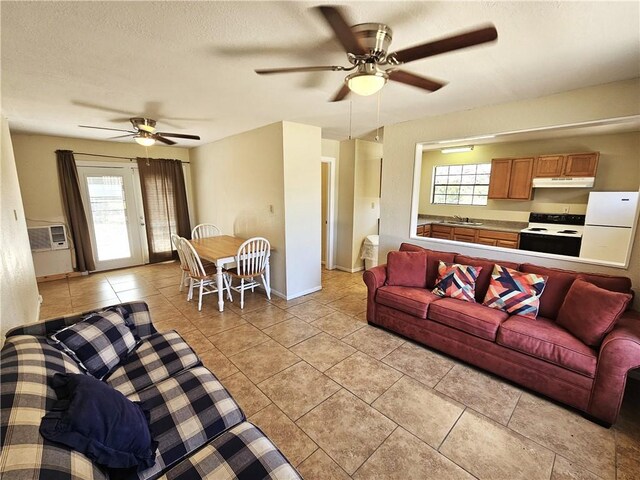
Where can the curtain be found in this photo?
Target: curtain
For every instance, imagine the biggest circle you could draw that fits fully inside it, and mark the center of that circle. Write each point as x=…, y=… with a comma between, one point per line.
x=74, y=210
x=164, y=199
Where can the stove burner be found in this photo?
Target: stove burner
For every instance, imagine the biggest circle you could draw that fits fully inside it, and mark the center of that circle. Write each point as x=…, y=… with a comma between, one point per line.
x=568, y=231
x=538, y=229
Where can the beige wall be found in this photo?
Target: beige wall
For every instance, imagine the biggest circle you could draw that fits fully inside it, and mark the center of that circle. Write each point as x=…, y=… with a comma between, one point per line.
x=302, y=198
x=346, y=179
x=618, y=170
x=38, y=175
x=605, y=101
x=358, y=206
x=239, y=185
x=19, y=303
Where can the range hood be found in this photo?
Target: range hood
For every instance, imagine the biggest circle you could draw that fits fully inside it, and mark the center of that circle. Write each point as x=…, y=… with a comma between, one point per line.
x=564, y=182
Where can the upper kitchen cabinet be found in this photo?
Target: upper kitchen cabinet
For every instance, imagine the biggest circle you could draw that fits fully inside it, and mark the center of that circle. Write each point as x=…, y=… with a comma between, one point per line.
x=511, y=178
x=572, y=165
x=581, y=165
x=549, y=166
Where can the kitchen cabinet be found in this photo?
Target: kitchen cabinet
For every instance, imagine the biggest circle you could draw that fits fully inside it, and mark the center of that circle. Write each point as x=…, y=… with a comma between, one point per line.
x=461, y=234
x=442, y=231
x=549, y=166
x=424, y=230
x=581, y=165
x=498, y=238
x=511, y=178
x=571, y=165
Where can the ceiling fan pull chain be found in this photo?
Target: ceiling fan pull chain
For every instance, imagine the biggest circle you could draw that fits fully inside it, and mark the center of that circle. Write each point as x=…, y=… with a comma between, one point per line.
x=350, y=116
x=377, y=138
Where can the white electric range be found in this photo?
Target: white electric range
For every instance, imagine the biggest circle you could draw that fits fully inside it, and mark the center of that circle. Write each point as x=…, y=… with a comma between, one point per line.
x=559, y=233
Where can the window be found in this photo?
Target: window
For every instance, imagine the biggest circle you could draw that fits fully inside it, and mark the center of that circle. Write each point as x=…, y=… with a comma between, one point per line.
x=461, y=184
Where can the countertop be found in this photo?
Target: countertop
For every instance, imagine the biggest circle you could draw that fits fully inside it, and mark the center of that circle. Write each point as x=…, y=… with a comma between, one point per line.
x=501, y=226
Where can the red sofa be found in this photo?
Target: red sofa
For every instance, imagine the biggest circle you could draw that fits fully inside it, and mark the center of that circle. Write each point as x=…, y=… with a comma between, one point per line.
x=536, y=353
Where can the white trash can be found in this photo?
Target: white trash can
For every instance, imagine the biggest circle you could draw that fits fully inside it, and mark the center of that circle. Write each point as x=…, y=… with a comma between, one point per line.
x=369, y=251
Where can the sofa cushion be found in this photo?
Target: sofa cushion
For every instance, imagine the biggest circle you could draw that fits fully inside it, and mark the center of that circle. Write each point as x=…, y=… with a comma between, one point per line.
x=407, y=269
x=558, y=284
x=457, y=281
x=98, y=343
x=93, y=418
x=484, y=276
x=186, y=412
x=159, y=356
x=516, y=293
x=411, y=300
x=472, y=318
x=590, y=312
x=25, y=365
x=608, y=282
x=543, y=338
x=243, y=452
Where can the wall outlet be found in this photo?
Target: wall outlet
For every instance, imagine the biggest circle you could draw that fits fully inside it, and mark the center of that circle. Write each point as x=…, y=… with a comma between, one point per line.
x=565, y=209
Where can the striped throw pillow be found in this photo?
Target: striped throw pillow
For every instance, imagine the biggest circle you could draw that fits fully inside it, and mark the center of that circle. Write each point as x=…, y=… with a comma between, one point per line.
x=457, y=281
x=514, y=292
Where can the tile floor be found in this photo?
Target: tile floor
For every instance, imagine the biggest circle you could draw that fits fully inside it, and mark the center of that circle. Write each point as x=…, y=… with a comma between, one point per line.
x=343, y=399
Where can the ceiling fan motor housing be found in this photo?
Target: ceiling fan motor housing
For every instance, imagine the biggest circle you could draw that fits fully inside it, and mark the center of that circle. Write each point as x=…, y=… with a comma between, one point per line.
x=144, y=124
x=374, y=37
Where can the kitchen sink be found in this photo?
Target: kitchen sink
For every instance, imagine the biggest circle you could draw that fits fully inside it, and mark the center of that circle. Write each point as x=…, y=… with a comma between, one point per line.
x=457, y=222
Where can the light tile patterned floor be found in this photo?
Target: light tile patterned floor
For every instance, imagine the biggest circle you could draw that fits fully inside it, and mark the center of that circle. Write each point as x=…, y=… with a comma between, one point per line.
x=343, y=399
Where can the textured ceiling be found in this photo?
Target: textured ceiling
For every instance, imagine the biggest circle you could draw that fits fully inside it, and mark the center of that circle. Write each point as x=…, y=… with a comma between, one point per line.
x=190, y=64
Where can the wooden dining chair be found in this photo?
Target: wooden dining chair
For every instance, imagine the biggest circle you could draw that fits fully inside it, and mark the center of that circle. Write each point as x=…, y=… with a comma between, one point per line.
x=203, y=280
x=184, y=268
x=251, y=262
x=205, y=230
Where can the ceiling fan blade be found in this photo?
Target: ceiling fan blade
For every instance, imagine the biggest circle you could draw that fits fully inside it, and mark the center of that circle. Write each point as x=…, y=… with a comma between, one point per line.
x=178, y=135
x=105, y=128
x=415, y=80
x=343, y=92
x=455, y=42
x=329, y=68
x=162, y=139
x=342, y=30
x=122, y=136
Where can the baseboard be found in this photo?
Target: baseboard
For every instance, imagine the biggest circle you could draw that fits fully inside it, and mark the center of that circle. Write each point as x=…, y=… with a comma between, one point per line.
x=305, y=292
x=349, y=270
x=59, y=276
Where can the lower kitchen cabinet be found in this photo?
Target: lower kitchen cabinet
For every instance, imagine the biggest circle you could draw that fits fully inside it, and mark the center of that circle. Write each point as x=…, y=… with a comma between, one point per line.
x=495, y=238
x=498, y=238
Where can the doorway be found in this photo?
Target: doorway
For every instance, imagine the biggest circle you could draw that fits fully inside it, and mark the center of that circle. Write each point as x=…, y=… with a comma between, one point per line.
x=109, y=198
x=328, y=195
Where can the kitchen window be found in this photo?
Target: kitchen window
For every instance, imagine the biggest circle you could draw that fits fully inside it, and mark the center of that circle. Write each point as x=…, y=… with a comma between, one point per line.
x=461, y=184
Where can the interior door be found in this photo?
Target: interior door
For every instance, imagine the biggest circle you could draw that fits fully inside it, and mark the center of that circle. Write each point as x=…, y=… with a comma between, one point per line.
x=110, y=205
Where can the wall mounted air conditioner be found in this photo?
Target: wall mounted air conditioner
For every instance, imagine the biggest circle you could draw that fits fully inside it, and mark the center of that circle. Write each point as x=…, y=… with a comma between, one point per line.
x=51, y=237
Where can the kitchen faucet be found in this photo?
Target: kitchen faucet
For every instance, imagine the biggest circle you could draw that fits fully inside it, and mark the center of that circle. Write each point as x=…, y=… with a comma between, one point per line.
x=460, y=219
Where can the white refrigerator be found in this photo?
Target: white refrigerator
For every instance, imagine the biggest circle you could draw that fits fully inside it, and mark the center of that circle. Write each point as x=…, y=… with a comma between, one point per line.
x=609, y=225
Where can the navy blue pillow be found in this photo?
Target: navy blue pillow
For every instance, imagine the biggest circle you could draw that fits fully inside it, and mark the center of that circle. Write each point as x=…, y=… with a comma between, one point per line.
x=95, y=419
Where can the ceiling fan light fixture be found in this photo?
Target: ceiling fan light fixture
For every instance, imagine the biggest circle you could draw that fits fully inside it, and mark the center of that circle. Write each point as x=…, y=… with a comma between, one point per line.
x=144, y=140
x=366, y=83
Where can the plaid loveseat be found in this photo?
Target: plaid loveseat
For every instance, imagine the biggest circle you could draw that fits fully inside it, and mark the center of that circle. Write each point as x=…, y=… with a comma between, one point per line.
x=201, y=430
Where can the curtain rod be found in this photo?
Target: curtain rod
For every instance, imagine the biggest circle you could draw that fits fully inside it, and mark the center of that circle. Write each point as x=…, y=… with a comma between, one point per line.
x=131, y=159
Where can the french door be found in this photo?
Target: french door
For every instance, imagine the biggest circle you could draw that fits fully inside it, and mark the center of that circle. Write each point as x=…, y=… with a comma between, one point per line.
x=114, y=216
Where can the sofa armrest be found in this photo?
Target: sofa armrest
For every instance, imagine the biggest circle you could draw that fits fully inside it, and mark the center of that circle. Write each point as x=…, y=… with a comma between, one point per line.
x=374, y=278
x=136, y=312
x=619, y=353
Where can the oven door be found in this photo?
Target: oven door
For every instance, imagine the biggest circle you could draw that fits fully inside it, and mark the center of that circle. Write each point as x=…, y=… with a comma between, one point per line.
x=559, y=245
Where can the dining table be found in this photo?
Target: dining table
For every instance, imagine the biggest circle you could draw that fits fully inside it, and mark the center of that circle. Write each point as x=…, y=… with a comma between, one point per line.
x=221, y=250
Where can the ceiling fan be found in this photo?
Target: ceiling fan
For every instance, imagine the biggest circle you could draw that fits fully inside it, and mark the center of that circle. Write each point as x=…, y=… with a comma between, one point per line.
x=367, y=45
x=144, y=132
